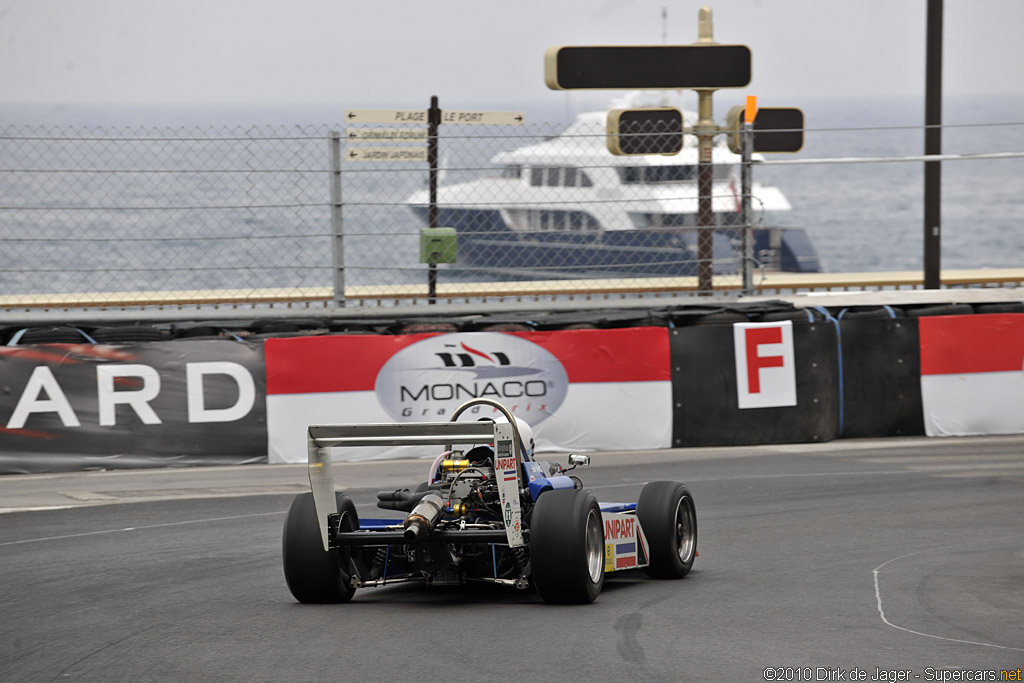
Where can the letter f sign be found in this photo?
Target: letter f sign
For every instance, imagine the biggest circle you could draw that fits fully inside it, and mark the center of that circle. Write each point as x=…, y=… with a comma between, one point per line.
x=765, y=366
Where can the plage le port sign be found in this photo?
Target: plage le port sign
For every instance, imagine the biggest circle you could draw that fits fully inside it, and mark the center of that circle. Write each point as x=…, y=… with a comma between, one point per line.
x=450, y=116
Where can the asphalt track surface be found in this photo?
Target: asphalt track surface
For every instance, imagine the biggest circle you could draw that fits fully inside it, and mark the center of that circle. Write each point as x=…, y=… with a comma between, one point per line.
x=872, y=555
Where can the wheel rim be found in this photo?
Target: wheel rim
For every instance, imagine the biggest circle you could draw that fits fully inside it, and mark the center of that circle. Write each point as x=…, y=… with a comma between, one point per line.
x=685, y=540
x=595, y=547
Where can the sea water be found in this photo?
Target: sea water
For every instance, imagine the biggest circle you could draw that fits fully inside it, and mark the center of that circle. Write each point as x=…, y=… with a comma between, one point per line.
x=860, y=217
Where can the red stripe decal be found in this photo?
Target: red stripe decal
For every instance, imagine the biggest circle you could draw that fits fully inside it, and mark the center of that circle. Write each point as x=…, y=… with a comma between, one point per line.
x=479, y=353
x=634, y=354
x=621, y=562
x=306, y=365
x=300, y=365
x=961, y=344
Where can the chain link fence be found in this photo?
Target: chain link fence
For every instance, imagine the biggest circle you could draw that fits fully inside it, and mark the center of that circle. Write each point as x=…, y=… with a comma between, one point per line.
x=247, y=213
x=104, y=210
x=332, y=215
x=540, y=202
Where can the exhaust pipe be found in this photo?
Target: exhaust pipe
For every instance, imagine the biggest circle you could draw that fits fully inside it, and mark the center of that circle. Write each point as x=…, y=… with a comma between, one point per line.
x=423, y=517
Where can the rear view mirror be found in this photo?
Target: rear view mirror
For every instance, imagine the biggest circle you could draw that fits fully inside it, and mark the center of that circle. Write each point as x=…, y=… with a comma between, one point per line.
x=579, y=460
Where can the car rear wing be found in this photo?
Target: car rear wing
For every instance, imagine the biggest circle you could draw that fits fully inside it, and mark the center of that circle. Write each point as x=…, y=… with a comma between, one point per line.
x=322, y=438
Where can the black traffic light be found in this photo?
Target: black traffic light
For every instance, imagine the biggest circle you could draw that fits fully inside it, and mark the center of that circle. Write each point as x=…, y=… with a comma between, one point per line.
x=625, y=67
x=776, y=129
x=656, y=130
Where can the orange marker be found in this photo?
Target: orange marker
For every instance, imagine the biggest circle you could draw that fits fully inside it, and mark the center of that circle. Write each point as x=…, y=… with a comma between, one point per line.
x=750, y=111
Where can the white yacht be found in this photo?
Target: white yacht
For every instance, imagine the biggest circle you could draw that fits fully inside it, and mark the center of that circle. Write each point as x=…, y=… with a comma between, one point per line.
x=566, y=206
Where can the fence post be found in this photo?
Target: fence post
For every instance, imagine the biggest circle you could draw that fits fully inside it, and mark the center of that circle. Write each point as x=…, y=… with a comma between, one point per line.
x=337, y=229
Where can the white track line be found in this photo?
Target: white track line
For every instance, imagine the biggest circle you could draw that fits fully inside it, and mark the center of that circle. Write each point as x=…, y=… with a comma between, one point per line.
x=138, y=528
x=881, y=612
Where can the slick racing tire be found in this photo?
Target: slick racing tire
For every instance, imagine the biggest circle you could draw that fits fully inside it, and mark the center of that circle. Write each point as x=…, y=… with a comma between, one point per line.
x=567, y=546
x=669, y=520
x=313, y=574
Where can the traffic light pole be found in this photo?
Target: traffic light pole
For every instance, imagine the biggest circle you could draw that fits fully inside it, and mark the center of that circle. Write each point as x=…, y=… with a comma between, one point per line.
x=705, y=131
x=746, y=182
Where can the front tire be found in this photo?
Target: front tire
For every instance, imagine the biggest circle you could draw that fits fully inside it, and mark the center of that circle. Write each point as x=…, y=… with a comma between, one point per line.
x=313, y=574
x=669, y=520
x=567, y=546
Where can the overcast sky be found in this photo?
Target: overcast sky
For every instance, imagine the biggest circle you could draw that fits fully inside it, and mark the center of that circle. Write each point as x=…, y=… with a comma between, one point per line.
x=397, y=52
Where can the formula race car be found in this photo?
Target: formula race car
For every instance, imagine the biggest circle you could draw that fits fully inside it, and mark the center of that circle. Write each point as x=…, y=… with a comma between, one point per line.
x=490, y=513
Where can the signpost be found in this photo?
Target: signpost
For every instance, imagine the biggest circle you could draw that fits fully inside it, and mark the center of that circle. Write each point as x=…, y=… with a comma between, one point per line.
x=432, y=117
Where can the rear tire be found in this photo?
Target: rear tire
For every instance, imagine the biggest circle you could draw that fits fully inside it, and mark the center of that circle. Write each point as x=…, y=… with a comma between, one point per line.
x=669, y=520
x=567, y=546
x=313, y=574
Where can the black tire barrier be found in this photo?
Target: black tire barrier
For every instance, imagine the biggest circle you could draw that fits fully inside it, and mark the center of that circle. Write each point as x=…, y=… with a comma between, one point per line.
x=704, y=390
x=799, y=315
x=269, y=326
x=428, y=327
x=938, y=309
x=857, y=375
x=197, y=332
x=129, y=333
x=1000, y=307
x=53, y=334
x=506, y=327
x=870, y=312
x=881, y=381
x=721, y=318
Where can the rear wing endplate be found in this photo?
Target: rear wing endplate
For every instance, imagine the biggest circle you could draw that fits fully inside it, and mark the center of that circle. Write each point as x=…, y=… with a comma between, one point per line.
x=322, y=438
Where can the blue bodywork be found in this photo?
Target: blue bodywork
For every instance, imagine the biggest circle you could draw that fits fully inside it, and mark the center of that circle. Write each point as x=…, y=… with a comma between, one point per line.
x=539, y=486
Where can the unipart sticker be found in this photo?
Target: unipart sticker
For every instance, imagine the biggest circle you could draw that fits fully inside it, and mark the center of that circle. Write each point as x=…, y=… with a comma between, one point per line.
x=505, y=464
x=428, y=380
x=616, y=528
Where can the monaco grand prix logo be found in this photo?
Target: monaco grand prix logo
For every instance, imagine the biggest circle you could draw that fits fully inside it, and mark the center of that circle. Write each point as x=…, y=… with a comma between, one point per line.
x=428, y=380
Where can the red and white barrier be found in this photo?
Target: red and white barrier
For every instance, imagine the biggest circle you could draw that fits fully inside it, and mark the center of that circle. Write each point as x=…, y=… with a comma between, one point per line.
x=578, y=389
x=972, y=374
